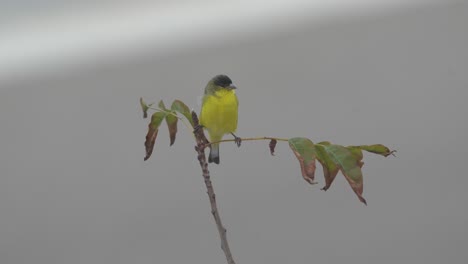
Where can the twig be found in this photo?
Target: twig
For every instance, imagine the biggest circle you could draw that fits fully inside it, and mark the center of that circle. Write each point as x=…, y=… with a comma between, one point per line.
x=200, y=147
x=248, y=139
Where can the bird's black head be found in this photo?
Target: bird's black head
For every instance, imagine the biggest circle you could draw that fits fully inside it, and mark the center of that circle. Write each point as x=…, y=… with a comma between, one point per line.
x=222, y=80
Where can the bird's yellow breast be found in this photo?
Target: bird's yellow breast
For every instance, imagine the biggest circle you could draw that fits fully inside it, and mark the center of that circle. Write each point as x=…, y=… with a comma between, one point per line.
x=219, y=113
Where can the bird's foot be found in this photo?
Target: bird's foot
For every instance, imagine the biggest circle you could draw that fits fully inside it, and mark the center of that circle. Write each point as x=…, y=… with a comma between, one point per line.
x=237, y=140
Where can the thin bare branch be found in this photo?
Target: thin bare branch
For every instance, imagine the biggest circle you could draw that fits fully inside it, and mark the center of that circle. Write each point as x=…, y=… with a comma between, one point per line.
x=249, y=139
x=201, y=145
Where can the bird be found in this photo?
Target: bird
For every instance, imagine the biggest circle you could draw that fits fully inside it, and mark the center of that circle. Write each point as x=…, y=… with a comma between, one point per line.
x=219, y=112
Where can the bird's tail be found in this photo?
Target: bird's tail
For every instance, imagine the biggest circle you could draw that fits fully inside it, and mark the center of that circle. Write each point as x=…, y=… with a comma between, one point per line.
x=214, y=153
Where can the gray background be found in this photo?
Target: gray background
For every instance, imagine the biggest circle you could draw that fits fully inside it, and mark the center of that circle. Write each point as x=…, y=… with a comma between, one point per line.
x=74, y=187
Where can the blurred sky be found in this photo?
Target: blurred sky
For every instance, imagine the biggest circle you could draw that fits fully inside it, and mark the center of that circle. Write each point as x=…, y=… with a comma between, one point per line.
x=37, y=36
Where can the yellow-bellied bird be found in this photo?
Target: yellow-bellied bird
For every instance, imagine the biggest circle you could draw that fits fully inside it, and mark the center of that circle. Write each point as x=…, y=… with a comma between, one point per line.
x=219, y=112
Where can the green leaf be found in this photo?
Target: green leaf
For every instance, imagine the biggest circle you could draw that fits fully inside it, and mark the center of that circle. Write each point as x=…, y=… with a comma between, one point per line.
x=161, y=105
x=304, y=150
x=171, y=121
x=153, y=129
x=350, y=166
x=377, y=149
x=330, y=169
x=357, y=153
x=182, y=108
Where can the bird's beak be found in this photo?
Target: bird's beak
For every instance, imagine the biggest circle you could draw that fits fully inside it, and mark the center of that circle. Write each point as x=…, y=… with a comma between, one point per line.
x=232, y=87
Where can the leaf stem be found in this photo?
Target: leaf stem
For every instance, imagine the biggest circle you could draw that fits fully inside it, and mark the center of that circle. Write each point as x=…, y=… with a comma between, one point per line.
x=249, y=139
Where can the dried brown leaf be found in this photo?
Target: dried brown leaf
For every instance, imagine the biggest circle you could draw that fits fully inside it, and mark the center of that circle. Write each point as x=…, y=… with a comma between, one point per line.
x=272, y=146
x=153, y=129
x=150, y=140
